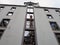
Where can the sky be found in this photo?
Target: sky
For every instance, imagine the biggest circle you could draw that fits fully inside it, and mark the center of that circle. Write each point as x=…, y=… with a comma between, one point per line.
x=44, y=3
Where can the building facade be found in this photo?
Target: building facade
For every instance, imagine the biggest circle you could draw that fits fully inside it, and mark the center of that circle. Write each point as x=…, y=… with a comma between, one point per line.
x=29, y=24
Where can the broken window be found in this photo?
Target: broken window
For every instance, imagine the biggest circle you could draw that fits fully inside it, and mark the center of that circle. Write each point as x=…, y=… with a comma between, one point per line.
x=4, y=22
x=54, y=26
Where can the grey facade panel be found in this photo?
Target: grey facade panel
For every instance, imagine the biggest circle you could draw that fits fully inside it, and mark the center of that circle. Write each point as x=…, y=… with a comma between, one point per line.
x=44, y=33
x=14, y=31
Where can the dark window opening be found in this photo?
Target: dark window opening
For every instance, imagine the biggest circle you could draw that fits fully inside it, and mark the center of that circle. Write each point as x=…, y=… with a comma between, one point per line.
x=49, y=16
x=57, y=10
x=1, y=35
x=30, y=12
x=1, y=7
x=4, y=22
x=10, y=13
x=13, y=8
x=54, y=26
x=58, y=37
x=46, y=10
x=1, y=32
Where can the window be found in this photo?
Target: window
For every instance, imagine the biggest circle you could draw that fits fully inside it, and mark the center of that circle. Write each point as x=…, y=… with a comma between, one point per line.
x=26, y=33
x=29, y=10
x=1, y=32
x=58, y=37
x=57, y=10
x=28, y=16
x=10, y=13
x=49, y=16
x=4, y=22
x=13, y=8
x=1, y=7
x=27, y=24
x=54, y=26
x=29, y=37
x=46, y=10
x=30, y=6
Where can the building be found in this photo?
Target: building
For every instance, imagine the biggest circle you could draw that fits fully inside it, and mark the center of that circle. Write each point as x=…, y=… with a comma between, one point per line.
x=29, y=24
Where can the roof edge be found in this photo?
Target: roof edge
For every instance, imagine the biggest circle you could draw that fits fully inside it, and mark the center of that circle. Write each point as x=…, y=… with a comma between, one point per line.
x=25, y=6
x=13, y=5
x=46, y=7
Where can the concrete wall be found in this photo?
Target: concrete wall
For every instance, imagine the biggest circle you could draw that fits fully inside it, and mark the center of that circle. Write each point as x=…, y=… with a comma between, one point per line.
x=14, y=32
x=44, y=33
